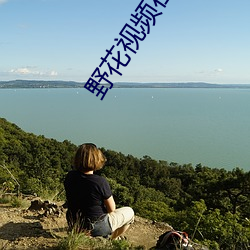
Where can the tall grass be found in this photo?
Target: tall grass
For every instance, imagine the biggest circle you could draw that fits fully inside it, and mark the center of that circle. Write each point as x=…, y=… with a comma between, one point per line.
x=83, y=241
x=75, y=241
x=19, y=202
x=14, y=201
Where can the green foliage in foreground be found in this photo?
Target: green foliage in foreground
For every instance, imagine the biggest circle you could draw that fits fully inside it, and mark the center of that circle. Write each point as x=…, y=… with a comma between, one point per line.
x=211, y=205
x=81, y=241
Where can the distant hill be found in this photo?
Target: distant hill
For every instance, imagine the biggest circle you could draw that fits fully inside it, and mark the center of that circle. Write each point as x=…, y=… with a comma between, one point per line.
x=71, y=84
x=177, y=85
x=39, y=84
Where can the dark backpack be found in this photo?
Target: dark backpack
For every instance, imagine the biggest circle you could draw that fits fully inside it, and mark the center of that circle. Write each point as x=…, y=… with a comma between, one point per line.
x=173, y=240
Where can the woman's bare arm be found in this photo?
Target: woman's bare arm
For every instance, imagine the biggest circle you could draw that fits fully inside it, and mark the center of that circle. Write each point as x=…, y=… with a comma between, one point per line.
x=110, y=204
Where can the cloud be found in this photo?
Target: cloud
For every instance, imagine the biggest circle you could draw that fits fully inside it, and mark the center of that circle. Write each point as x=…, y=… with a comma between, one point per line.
x=53, y=73
x=218, y=70
x=3, y=1
x=31, y=71
x=211, y=72
x=22, y=71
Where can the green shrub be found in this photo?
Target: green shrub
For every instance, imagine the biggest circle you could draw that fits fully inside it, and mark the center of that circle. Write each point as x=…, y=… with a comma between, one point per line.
x=152, y=210
x=75, y=241
x=5, y=200
x=18, y=202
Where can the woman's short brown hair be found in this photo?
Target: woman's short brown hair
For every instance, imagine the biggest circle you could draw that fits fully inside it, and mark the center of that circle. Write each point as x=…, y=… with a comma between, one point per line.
x=88, y=157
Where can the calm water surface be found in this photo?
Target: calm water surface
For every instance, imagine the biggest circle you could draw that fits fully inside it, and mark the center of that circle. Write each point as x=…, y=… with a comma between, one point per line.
x=207, y=126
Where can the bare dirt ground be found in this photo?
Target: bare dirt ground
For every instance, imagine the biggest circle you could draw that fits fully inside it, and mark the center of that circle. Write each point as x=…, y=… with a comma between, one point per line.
x=26, y=229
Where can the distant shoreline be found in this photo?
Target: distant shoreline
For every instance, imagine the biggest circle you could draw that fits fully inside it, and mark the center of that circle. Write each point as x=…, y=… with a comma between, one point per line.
x=19, y=84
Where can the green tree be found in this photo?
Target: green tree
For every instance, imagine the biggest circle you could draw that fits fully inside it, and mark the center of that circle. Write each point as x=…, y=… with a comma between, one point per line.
x=154, y=210
x=236, y=188
x=121, y=194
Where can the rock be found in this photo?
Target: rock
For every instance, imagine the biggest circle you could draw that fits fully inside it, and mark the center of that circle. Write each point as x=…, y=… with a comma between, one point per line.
x=36, y=205
x=47, y=207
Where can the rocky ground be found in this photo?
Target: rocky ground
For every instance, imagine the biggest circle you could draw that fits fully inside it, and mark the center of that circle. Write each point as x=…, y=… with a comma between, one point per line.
x=43, y=228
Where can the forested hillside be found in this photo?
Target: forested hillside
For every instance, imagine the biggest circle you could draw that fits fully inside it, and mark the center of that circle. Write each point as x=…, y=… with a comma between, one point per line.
x=212, y=205
x=38, y=163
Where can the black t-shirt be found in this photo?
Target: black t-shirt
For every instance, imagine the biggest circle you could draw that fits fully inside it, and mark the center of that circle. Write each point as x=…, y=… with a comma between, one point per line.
x=86, y=193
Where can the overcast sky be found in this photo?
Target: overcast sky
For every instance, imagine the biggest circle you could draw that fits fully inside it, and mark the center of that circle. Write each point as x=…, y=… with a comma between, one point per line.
x=192, y=40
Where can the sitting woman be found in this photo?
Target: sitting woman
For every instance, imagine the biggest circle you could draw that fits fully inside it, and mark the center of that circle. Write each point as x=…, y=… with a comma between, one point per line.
x=91, y=205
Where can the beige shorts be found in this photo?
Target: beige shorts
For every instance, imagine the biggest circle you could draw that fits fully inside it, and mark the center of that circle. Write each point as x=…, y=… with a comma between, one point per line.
x=120, y=217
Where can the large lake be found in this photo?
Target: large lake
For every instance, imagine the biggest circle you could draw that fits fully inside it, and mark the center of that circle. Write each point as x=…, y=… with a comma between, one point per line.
x=207, y=126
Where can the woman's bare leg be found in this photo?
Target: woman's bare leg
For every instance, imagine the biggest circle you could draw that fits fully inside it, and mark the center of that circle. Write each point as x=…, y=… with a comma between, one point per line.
x=119, y=231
